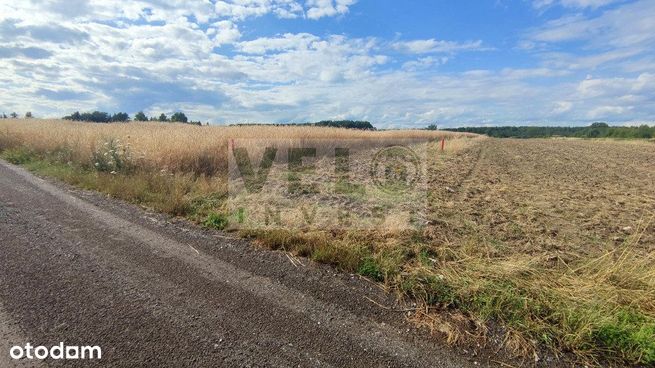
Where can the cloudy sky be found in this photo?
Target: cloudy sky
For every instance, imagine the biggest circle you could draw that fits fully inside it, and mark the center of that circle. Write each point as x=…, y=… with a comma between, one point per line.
x=396, y=63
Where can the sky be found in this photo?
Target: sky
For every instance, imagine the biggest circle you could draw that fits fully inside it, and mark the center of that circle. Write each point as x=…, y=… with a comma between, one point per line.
x=396, y=63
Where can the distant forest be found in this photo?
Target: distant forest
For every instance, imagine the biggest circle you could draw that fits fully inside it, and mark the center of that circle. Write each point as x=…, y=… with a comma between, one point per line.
x=595, y=130
x=348, y=124
x=121, y=117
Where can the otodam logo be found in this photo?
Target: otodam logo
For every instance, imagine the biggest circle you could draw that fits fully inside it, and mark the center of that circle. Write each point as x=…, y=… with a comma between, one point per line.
x=56, y=352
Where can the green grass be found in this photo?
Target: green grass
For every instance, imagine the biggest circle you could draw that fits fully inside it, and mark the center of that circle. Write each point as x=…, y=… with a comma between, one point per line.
x=18, y=156
x=216, y=221
x=371, y=269
x=631, y=333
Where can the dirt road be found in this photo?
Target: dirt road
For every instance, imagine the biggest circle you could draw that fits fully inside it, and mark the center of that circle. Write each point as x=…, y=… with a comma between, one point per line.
x=79, y=268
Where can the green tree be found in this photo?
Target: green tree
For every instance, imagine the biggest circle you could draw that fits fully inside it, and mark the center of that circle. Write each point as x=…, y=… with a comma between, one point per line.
x=120, y=117
x=28, y=115
x=13, y=115
x=179, y=117
x=140, y=116
x=644, y=131
x=163, y=117
x=97, y=117
x=76, y=116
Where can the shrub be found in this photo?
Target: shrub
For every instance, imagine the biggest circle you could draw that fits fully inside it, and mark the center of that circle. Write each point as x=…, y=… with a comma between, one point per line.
x=216, y=221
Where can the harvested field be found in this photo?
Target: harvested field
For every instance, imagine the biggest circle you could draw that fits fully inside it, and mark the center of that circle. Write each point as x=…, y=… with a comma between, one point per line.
x=565, y=196
x=555, y=238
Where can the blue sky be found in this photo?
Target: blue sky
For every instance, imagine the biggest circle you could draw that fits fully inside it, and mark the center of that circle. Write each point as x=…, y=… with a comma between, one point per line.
x=395, y=63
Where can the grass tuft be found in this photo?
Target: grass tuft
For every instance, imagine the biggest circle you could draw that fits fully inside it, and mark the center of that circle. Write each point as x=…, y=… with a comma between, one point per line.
x=216, y=221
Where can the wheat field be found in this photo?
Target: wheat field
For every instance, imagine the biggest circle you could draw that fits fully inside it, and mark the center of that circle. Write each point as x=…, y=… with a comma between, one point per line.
x=180, y=147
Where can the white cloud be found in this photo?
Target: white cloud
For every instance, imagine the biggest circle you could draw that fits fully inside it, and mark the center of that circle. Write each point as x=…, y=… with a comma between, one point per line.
x=562, y=107
x=327, y=8
x=436, y=46
x=224, y=32
x=607, y=112
x=533, y=73
x=424, y=63
x=242, y=9
x=624, y=26
x=313, y=9
x=287, y=41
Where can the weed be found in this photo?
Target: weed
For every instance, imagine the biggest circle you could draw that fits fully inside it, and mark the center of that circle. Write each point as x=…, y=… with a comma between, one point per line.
x=371, y=269
x=112, y=156
x=216, y=221
x=18, y=156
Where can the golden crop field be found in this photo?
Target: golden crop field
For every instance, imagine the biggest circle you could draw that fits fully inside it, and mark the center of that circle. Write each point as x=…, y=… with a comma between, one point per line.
x=175, y=147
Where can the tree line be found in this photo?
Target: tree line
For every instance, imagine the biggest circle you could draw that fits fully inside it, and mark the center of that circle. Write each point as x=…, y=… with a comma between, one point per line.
x=122, y=117
x=595, y=130
x=348, y=124
x=180, y=117
x=13, y=115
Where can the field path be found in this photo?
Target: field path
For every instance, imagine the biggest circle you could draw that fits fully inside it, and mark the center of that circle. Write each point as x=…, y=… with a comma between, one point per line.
x=79, y=268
